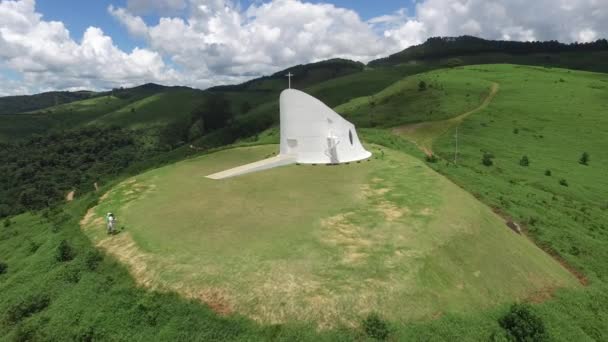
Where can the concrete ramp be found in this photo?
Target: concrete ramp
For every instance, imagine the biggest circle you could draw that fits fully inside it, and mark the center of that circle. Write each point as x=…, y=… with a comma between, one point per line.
x=261, y=165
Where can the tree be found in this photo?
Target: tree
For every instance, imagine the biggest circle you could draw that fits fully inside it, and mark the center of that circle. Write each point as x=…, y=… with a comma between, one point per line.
x=521, y=324
x=422, y=86
x=215, y=112
x=431, y=158
x=524, y=161
x=584, y=159
x=454, y=62
x=563, y=182
x=548, y=173
x=175, y=133
x=245, y=107
x=3, y=267
x=196, y=130
x=64, y=252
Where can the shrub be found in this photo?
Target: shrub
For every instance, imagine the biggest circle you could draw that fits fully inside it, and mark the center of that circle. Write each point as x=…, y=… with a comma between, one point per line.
x=64, y=252
x=524, y=161
x=584, y=159
x=487, y=159
x=521, y=324
x=3, y=267
x=92, y=259
x=548, y=173
x=453, y=62
x=71, y=274
x=431, y=158
x=7, y=223
x=422, y=86
x=26, y=307
x=563, y=182
x=33, y=246
x=25, y=333
x=375, y=327
x=515, y=131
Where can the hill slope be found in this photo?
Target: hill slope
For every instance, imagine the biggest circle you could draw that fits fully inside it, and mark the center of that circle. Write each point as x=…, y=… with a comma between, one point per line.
x=26, y=103
x=320, y=244
x=467, y=50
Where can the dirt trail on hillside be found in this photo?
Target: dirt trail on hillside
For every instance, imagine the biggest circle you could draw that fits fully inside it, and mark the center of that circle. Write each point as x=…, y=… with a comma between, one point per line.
x=423, y=134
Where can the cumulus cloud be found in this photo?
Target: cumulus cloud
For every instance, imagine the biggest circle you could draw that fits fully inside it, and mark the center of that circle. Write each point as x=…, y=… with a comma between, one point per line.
x=220, y=38
x=47, y=57
x=564, y=20
x=206, y=42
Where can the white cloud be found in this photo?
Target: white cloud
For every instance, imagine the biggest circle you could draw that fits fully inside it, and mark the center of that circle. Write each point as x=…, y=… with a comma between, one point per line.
x=564, y=20
x=135, y=25
x=46, y=56
x=210, y=42
x=221, y=39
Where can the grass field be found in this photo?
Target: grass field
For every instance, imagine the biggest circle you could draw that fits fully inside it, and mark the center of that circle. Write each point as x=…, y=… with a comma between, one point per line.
x=446, y=95
x=424, y=134
x=155, y=110
x=321, y=244
x=552, y=117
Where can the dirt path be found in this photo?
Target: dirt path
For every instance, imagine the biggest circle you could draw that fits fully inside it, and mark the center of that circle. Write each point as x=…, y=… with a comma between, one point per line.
x=423, y=134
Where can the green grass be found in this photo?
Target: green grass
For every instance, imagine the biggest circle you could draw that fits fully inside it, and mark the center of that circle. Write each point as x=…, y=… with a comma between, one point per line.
x=447, y=94
x=27, y=103
x=92, y=297
x=80, y=112
x=154, y=110
x=321, y=244
x=424, y=134
x=551, y=116
x=553, y=123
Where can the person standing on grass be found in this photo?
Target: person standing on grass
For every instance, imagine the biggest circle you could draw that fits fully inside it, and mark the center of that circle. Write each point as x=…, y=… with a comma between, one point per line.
x=111, y=221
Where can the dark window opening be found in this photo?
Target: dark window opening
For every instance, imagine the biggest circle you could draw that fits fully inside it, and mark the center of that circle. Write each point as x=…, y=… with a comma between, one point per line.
x=350, y=136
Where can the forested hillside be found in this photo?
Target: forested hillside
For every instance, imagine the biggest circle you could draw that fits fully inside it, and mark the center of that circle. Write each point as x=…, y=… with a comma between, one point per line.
x=467, y=50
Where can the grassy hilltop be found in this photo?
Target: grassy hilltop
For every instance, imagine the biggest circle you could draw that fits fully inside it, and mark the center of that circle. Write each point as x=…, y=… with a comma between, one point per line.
x=412, y=235
x=321, y=244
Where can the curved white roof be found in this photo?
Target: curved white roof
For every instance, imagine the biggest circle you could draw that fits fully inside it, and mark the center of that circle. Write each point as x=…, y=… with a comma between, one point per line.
x=311, y=133
x=314, y=134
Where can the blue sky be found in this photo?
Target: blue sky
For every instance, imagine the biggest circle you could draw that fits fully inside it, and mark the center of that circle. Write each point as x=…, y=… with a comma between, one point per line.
x=201, y=43
x=79, y=15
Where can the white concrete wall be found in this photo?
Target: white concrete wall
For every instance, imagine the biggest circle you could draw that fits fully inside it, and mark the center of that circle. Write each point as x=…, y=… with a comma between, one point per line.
x=314, y=134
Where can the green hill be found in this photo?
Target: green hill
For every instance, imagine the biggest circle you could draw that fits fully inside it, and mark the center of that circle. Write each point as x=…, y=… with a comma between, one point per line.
x=395, y=238
x=26, y=103
x=467, y=50
x=522, y=134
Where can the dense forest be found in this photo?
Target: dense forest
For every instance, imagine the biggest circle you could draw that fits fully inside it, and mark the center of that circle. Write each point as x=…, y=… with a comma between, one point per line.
x=41, y=170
